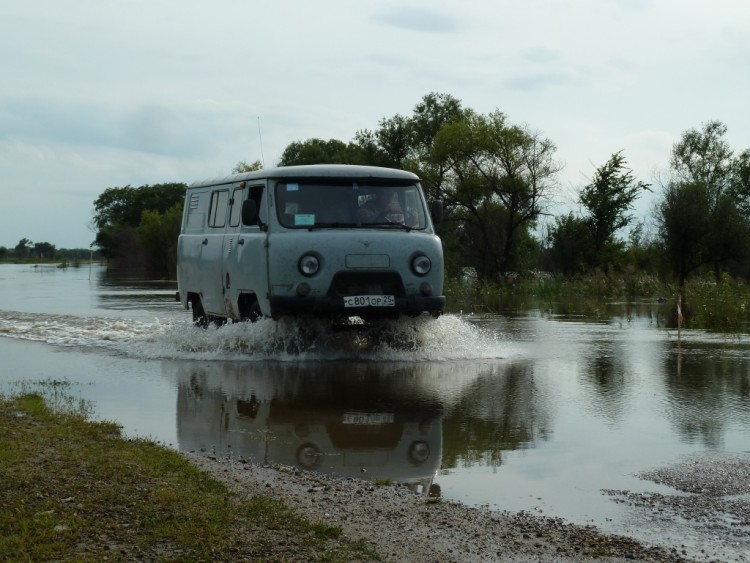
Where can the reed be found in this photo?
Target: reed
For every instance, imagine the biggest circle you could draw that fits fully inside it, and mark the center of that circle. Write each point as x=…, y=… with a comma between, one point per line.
x=722, y=306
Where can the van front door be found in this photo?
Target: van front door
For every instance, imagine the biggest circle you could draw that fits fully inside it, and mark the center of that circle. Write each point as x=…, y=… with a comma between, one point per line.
x=245, y=272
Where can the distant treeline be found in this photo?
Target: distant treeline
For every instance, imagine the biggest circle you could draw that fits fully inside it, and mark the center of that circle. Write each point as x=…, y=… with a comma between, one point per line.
x=28, y=251
x=498, y=182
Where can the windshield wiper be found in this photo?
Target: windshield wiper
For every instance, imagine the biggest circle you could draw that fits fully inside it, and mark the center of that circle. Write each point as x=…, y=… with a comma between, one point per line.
x=333, y=224
x=344, y=225
x=387, y=224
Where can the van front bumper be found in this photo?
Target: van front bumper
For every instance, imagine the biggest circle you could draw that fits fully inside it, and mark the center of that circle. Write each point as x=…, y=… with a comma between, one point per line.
x=334, y=306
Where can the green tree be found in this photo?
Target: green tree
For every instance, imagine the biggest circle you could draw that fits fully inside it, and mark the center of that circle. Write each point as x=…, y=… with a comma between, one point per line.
x=740, y=182
x=703, y=216
x=645, y=252
x=570, y=245
x=118, y=215
x=406, y=142
x=728, y=237
x=23, y=248
x=368, y=151
x=43, y=250
x=243, y=166
x=316, y=151
x=683, y=224
x=430, y=115
x=125, y=206
x=394, y=138
x=482, y=236
x=489, y=161
x=116, y=206
x=3, y=253
x=158, y=233
x=703, y=157
x=607, y=200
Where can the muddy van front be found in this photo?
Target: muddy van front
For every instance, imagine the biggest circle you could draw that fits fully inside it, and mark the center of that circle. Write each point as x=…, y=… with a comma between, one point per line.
x=356, y=241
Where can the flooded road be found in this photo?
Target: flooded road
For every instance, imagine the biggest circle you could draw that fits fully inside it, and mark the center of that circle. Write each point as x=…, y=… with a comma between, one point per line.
x=541, y=411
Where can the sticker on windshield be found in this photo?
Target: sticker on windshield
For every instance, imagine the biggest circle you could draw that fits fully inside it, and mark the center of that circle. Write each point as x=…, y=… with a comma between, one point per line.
x=292, y=187
x=304, y=219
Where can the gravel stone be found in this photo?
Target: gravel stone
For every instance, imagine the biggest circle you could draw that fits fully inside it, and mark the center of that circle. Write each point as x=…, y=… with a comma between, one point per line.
x=406, y=526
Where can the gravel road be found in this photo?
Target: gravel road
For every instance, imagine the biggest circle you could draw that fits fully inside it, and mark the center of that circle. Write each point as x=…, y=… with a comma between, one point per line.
x=711, y=497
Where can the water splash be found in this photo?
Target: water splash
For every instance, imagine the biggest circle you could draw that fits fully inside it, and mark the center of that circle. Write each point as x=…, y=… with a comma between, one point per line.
x=446, y=338
x=422, y=339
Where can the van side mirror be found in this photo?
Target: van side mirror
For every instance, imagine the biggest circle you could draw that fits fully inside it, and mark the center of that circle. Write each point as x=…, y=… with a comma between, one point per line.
x=436, y=210
x=249, y=212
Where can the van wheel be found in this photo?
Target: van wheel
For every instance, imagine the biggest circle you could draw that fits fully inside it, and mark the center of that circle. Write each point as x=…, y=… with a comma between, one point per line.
x=203, y=320
x=255, y=312
x=250, y=308
x=199, y=314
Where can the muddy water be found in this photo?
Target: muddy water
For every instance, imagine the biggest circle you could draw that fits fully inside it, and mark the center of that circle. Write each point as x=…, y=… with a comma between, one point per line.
x=539, y=411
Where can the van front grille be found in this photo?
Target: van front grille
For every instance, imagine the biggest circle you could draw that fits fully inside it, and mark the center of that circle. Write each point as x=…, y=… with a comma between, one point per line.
x=347, y=284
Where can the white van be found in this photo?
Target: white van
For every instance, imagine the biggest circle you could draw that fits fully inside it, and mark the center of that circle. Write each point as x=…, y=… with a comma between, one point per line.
x=334, y=241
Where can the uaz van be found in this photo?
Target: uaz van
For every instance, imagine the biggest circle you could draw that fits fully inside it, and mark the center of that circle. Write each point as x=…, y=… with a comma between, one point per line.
x=334, y=241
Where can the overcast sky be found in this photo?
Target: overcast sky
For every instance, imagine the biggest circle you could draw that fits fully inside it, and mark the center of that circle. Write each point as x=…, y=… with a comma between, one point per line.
x=98, y=93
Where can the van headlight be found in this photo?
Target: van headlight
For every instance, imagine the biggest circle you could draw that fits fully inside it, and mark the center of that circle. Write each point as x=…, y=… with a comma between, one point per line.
x=420, y=264
x=308, y=456
x=309, y=265
x=419, y=452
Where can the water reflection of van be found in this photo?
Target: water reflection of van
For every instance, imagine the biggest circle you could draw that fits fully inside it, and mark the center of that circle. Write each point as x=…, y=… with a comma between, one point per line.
x=364, y=436
x=404, y=446
x=327, y=240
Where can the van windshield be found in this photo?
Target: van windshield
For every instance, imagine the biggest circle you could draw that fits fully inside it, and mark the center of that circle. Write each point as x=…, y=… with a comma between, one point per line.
x=308, y=204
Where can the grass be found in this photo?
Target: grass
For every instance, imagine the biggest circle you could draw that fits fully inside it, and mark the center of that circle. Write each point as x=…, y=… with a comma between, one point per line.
x=541, y=286
x=722, y=306
x=75, y=490
x=719, y=306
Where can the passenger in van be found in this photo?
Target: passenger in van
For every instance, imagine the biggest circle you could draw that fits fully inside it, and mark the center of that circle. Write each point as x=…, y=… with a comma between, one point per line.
x=383, y=208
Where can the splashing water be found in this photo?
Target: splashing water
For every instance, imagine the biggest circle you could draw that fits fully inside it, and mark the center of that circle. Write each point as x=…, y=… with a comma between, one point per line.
x=423, y=339
x=446, y=338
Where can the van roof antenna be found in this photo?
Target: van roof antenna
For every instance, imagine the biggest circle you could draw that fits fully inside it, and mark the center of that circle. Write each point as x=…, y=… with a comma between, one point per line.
x=262, y=158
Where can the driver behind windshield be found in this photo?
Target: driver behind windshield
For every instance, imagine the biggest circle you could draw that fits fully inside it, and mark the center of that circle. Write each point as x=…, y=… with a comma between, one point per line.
x=383, y=208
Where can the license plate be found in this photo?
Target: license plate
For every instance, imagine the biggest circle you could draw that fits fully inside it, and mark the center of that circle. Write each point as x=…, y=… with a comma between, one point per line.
x=369, y=301
x=368, y=418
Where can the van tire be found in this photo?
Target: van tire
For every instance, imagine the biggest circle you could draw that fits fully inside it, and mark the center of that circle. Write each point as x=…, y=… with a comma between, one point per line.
x=199, y=314
x=200, y=318
x=249, y=308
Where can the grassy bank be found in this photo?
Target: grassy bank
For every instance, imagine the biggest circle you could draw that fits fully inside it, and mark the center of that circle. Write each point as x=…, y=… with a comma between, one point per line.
x=722, y=306
x=73, y=489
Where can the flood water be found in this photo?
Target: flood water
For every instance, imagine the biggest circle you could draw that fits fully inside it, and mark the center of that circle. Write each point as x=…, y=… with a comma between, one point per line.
x=539, y=411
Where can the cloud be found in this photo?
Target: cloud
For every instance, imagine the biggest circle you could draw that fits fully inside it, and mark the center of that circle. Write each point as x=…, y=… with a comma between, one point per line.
x=533, y=81
x=148, y=127
x=540, y=55
x=420, y=19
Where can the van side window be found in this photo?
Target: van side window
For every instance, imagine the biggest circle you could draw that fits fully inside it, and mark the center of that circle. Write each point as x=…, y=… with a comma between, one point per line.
x=217, y=213
x=255, y=193
x=238, y=195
